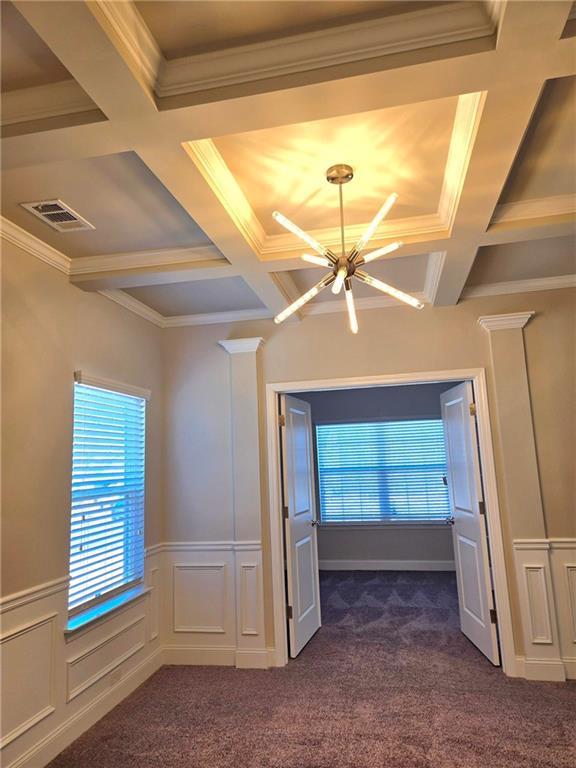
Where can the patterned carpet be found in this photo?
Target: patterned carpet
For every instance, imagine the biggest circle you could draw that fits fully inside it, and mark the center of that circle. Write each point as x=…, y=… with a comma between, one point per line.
x=388, y=682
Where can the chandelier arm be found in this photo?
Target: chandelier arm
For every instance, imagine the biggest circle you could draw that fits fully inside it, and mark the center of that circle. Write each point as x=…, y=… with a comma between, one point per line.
x=305, y=298
x=390, y=248
x=295, y=229
x=373, y=226
x=388, y=289
x=352, y=319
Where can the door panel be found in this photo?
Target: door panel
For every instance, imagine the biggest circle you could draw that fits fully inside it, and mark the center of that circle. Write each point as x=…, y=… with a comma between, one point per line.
x=300, y=525
x=469, y=530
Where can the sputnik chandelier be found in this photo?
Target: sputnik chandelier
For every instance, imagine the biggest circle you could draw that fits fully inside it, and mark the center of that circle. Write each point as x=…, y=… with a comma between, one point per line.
x=346, y=266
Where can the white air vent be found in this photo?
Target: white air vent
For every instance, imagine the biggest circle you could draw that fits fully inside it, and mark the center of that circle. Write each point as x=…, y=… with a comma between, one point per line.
x=58, y=215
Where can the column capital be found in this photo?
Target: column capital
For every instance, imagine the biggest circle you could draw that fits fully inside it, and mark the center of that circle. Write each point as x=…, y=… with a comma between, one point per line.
x=234, y=346
x=505, y=322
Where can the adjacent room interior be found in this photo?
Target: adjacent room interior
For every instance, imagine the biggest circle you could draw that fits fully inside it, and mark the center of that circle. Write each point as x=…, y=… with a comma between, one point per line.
x=288, y=375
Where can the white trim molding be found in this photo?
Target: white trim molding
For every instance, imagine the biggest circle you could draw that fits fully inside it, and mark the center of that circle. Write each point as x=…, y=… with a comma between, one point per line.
x=34, y=246
x=478, y=377
x=387, y=565
x=31, y=595
x=45, y=101
x=116, y=386
x=235, y=346
x=530, y=285
x=505, y=322
x=538, y=208
x=335, y=46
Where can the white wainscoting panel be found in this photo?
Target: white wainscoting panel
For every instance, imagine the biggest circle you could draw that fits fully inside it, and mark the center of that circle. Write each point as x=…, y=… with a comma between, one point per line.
x=199, y=596
x=543, y=659
x=563, y=558
x=107, y=654
x=56, y=686
x=28, y=694
x=250, y=641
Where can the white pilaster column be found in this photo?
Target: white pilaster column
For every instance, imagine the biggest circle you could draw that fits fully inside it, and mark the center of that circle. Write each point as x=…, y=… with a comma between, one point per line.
x=521, y=481
x=250, y=642
x=515, y=428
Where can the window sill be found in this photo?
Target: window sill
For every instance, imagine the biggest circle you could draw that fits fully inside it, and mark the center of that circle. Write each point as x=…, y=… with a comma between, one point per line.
x=104, y=610
x=417, y=524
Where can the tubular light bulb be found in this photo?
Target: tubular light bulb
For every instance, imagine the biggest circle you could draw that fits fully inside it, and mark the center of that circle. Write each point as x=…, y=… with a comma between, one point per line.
x=339, y=282
x=389, y=289
x=291, y=227
x=314, y=291
x=351, y=310
x=383, y=251
x=320, y=261
x=391, y=199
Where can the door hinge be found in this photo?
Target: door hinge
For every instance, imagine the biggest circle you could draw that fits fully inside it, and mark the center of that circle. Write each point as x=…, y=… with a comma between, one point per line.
x=472, y=409
x=493, y=616
x=481, y=507
x=282, y=420
x=289, y=611
x=285, y=513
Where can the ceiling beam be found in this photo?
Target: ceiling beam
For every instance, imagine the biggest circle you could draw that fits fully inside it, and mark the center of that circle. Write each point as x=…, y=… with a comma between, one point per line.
x=505, y=118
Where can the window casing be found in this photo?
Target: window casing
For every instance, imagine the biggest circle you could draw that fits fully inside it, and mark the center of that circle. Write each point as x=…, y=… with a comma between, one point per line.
x=108, y=477
x=382, y=472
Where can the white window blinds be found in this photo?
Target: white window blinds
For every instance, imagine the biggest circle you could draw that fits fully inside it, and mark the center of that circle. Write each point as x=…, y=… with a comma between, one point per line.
x=387, y=471
x=107, y=528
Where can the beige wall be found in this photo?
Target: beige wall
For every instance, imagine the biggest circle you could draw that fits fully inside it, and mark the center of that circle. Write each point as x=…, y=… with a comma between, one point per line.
x=50, y=329
x=392, y=340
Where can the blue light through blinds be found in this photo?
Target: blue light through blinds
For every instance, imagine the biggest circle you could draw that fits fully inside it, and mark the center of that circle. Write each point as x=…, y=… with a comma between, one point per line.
x=107, y=528
x=382, y=472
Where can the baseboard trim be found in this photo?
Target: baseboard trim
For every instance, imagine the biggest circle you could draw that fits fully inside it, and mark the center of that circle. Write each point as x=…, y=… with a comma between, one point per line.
x=186, y=655
x=551, y=670
x=387, y=565
x=252, y=659
x=68, y=731
x=570, y=667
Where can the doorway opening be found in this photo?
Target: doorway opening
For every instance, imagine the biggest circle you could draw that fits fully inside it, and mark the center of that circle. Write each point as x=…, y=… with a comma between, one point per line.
x=392, y=478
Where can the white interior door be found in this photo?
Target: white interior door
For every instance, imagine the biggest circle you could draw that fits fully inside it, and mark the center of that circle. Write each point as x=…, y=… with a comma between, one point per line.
x=477, y=615
x=300, y=523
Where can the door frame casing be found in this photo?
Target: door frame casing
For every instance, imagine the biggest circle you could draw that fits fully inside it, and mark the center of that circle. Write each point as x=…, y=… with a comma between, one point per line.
x=495, y=539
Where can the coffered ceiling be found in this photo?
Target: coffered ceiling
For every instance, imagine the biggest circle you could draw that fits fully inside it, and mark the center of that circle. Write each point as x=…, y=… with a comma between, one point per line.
x=176, y=128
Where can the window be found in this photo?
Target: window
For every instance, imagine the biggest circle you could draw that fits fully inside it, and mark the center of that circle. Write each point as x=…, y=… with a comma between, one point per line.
x=107, y=527
x=388, y=471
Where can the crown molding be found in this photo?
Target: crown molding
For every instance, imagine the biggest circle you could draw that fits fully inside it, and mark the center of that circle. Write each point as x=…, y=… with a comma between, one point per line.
x=505, y=322
x=115, y=262
x=529, y=285
x=135, y=306
x=45, y=101
x=133, y=36
x=536, y=208
x=235, y=346
x=466, y=122
x=217, y=318
x=340, y=45
x=34, y=246
x=434, y=269
x=367, y=302
x=211, y=165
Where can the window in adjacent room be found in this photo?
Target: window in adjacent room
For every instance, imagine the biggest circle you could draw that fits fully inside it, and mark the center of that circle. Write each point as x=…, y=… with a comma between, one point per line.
x=379, y=472
x=107, y=524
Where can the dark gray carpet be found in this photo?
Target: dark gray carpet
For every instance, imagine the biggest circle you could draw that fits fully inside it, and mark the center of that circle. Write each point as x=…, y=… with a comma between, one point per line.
x=388, y=682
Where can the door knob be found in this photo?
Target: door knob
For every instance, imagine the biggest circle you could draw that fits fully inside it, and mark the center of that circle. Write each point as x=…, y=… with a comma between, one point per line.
x=449, y=521
x=313, y=522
